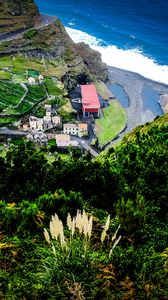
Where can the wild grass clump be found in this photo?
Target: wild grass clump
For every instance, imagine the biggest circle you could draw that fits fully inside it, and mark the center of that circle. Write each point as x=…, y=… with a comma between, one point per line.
x=76, y=253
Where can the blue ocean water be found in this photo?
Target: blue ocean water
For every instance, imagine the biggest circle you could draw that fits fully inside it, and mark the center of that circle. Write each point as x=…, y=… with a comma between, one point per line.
x=130, y=34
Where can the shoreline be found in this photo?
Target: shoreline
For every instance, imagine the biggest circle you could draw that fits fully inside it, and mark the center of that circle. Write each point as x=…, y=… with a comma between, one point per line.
x=51, y=18
x=133, y=84
x=111, y=68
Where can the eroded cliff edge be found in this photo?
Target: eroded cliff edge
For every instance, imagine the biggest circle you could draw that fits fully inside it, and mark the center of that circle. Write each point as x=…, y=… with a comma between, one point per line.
x=48, y=40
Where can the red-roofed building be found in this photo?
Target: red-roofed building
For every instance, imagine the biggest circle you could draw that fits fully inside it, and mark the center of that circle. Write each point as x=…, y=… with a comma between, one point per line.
x=90, y=100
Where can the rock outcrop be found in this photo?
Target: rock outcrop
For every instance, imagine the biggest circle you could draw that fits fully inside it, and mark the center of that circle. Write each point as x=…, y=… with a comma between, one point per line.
x=16, y=15
x=92, y=60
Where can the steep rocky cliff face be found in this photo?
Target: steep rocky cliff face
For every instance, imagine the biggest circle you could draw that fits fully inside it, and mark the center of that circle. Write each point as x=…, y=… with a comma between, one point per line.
x=48, y=39
x=17, y=15
x=92, y=59
x=79, y=62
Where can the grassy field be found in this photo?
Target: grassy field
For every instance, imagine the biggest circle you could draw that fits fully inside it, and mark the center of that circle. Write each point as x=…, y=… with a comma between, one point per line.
x=5, y=62
x=5, y=75
x=6, y=121
x=51, y=158
x=113, y=122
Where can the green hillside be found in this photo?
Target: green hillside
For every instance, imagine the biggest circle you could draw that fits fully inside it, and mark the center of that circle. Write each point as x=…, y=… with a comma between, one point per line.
x=118, y=249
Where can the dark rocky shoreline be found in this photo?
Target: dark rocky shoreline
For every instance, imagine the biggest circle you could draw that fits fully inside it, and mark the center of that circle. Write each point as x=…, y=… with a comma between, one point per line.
x=133, y=84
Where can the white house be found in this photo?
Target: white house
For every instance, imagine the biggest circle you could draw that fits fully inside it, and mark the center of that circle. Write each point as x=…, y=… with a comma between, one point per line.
x=48, y=107
x=48, y=113
x=47, y=119
x=25, y=127
x=40, y=124
x=31, y=80
x=36, y=123
x=70, y=129
x=33, y=122
x=40, y=78
x=73, y=129
x=30, y=137
x=56, y=120
x=41, y=138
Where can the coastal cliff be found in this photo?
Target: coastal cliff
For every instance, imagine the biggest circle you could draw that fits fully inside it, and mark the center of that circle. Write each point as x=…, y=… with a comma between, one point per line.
x=17, y=15
x=48, y=39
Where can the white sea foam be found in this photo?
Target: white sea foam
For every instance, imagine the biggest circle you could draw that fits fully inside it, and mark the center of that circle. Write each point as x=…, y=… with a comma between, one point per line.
x=131, y=59
x=71, y=23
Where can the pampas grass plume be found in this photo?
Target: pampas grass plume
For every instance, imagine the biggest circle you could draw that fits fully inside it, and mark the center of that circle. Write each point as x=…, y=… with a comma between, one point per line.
x=47, y=236
x=106, y=227
x=69, y=221
x=90, y=224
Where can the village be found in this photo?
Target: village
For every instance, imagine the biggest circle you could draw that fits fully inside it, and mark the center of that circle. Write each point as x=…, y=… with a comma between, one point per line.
x=40, y=108
x=51, y=125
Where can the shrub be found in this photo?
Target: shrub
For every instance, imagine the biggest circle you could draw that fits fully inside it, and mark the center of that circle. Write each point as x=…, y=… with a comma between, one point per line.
x=30, y=34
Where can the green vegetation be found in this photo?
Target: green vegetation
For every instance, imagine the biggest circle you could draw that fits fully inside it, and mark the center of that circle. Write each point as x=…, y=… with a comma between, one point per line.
x=112, y=122
x=118, y=250
x=64, y=156
x=66, y=111
x=53, y=87
x=52, y=157
x=5, y=75
x=33, y=73
x=10, y=93
x=16, y=100
x=35, y=93
x=102, y=89
x=4, y=121
x=30, y=34
x=20, y=65
x=5, y=62
x=16, y=15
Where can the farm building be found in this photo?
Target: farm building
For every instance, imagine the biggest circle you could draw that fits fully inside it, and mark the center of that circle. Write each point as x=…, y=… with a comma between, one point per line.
x=90, y=100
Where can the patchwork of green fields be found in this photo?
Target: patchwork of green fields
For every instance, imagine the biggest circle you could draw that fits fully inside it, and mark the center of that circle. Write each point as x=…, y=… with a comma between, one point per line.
x=15, y=99
x=20, y=67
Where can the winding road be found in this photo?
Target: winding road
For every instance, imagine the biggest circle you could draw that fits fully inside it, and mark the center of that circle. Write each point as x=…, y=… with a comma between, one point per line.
x=7, y=131
x=45, y=21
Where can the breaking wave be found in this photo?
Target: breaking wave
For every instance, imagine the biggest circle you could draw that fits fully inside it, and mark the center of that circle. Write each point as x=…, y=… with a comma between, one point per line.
x=133, y=60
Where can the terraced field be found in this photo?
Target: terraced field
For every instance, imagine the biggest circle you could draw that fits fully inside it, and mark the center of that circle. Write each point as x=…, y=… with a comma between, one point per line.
x=20, y=67
x=10, y=94
x=17, y=100
x=17, y=97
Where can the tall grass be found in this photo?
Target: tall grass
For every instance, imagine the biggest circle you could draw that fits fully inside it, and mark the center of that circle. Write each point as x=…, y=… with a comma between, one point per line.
x=81, y=225
x=77, y=252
